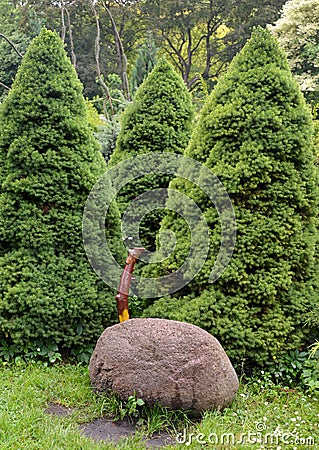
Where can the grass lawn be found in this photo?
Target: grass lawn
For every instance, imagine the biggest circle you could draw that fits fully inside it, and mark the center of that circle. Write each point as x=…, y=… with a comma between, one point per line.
x=263, y=416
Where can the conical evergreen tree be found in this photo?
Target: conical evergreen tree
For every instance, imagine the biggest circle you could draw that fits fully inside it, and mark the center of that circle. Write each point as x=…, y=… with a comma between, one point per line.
x=158, y=120
x=145, y=62
x=255, y=134
x=49, y=163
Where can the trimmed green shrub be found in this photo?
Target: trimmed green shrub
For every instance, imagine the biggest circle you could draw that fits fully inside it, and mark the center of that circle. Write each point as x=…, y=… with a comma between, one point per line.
x=49, y=163
x=158, y=120
x=255, y=134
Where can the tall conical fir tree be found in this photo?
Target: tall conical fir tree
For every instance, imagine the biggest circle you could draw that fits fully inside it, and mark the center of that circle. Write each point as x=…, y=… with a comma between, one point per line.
x=49, y=163
x=255, y=134
x=159, y=119
x=145, y=62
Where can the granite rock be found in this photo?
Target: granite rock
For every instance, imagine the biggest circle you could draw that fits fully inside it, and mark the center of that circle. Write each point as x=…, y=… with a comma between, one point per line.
x=176, y=364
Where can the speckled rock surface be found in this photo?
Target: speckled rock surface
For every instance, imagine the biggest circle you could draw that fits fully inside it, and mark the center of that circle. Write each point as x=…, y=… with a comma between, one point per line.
x=176, y=364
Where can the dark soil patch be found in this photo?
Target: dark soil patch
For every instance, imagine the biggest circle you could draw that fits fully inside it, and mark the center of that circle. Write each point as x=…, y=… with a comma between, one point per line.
x=104, y=429
x=58, y=410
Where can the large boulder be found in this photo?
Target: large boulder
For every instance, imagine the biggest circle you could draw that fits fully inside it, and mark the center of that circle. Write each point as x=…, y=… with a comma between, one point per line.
x=173, y=363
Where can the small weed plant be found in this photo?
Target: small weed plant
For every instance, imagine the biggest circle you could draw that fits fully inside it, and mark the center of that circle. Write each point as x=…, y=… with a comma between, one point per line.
x=298, y=369
x=42, y=352
x=119, y=409
x=147, y=419
x=39, y=351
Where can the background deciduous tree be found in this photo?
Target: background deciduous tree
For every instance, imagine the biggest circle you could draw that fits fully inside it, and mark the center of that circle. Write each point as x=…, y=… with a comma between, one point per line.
x=298, y=33
x=185, y=29
x=14, y=40
x=202, y=37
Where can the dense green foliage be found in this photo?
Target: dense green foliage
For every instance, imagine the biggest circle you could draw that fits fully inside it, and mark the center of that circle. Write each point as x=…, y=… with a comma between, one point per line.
x=108, y=132
x=49, y=163
x=158, y=120
x=255, y=134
